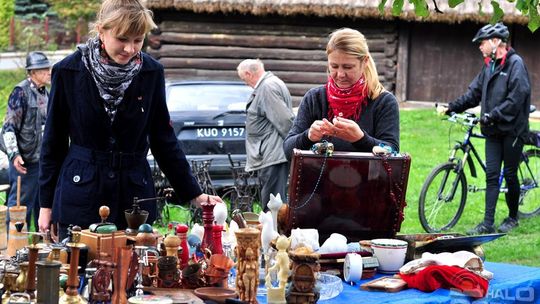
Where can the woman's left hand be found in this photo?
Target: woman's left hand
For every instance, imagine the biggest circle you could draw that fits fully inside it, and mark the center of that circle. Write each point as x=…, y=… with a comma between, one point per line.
x=347, y=129
x=206, y=198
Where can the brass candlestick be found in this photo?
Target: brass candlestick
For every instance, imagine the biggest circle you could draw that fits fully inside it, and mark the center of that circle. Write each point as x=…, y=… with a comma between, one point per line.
x=72, y=295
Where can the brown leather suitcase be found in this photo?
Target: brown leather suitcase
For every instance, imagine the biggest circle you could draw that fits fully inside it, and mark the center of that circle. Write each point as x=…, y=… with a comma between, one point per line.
x=359, y=195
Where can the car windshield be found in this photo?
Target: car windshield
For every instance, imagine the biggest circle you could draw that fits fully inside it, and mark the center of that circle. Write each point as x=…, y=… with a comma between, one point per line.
x=208, y=97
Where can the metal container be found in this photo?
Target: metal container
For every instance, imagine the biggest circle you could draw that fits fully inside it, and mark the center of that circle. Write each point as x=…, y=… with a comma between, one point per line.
x=48, y=282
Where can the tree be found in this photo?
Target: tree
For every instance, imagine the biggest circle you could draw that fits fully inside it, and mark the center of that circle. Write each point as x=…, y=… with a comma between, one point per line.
x=526, y=7
x=75, y=10
x=7, y=9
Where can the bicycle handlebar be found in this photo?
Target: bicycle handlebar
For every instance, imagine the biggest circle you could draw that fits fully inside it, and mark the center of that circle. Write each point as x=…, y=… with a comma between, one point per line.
x=465, y=118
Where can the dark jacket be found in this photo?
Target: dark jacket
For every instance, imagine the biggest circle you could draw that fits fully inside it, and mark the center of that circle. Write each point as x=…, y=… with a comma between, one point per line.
x=379, y=121
x=87, y=162
x=505, y=94
x=269, y=118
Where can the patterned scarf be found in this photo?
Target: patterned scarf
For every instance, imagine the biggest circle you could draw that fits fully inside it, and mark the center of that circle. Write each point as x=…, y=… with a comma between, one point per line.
x=347, y=103
x=112, y=79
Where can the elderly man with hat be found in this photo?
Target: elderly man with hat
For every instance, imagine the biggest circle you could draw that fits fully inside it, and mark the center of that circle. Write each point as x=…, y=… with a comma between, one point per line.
x=23, y=129
x=503, y=90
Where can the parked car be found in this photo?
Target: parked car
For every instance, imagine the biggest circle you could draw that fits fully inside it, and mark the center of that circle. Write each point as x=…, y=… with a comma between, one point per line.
x=208, y=118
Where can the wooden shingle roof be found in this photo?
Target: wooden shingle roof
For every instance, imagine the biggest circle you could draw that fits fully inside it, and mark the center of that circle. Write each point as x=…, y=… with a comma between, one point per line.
x=469, y=10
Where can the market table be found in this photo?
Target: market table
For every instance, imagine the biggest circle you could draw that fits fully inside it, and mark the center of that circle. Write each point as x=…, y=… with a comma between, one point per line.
x=510, y=284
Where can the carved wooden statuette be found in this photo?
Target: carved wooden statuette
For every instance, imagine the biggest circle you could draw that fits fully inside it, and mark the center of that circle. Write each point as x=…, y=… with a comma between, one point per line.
x=304, y=269
x=247, y=256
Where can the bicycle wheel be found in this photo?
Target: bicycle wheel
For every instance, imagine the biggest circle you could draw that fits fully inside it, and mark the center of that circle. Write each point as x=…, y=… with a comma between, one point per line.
x=529, y=175
x=442, y=198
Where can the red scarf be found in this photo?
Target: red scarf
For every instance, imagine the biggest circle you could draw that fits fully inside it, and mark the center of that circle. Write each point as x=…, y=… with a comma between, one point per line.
x=347, y=103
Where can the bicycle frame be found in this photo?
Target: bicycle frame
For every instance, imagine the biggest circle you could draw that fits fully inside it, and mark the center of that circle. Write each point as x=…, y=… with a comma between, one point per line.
x=467, y=147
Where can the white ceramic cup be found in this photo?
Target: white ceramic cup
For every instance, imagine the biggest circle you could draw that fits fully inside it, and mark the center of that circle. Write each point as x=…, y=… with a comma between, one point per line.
x=390, y=253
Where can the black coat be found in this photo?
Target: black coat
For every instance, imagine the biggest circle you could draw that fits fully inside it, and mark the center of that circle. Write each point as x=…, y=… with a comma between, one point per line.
x=505, y=94
x=87, y=162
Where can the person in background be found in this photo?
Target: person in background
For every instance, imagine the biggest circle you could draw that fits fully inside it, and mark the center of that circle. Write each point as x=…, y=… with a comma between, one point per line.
x=268, y=120
x=22, y=132
x=107, y=108
x=502, y=88
x=352, y=110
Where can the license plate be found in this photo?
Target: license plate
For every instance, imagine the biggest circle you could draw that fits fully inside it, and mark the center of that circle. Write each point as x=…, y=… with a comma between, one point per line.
x=220, y=132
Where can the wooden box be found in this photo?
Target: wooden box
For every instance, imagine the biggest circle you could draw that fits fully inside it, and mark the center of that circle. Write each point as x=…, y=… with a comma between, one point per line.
x=359, y=195
x=102, y=242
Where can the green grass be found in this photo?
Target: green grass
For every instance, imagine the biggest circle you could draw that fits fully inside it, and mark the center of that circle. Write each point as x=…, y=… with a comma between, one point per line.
x=8, y=80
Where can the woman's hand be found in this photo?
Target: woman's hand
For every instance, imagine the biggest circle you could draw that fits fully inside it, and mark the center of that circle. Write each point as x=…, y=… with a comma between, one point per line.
x=205, y=198
x=320, y=128
x=346, y=129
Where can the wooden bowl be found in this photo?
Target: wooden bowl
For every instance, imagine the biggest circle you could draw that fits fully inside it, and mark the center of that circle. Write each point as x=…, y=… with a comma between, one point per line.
x=218, y=294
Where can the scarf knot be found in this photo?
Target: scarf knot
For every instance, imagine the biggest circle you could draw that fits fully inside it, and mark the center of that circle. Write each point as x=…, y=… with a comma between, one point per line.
x=347, y=103
x=112, y=79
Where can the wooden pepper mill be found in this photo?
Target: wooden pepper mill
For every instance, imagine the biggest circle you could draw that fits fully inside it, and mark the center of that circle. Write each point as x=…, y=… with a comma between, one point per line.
x=208, y=221
x=181, y=232
x=72, y=295
x=32, y=258
x=172, y=242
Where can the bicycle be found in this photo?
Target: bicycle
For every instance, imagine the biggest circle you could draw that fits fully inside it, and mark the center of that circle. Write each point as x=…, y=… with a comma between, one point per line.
x=444, y=193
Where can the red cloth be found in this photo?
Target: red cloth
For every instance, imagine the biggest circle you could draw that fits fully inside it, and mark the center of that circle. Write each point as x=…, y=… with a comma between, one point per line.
x=441, y=276
x=347, y=103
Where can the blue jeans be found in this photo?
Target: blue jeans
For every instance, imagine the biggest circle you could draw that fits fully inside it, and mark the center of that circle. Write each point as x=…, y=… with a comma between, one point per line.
x=29, y=191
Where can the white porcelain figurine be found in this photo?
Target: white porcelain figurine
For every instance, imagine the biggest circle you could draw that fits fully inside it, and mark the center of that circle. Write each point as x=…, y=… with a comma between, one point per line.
x=274, y=204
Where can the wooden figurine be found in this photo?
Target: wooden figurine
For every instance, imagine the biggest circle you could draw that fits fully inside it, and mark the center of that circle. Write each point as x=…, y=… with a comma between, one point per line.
x=282, y=265
x=246, y=252
x=304, y=269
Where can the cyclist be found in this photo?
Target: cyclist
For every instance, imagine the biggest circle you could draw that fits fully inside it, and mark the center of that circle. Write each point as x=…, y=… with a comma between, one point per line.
x=502, y=88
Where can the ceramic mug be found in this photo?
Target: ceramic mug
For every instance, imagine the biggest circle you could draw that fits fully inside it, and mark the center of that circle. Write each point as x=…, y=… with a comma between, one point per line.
x=390, y=253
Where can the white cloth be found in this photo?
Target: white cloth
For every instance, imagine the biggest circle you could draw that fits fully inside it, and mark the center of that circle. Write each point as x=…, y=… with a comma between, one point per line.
x=463, y=259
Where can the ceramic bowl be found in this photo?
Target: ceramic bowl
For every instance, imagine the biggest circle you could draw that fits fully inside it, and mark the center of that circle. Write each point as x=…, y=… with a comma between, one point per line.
x=390, y=253
x=217, y=294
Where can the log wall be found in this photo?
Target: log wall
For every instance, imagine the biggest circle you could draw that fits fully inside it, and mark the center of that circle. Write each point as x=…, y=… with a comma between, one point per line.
x=210, y=47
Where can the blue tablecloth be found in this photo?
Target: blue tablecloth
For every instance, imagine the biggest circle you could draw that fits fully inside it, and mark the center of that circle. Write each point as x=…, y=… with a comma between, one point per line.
x=510, y=284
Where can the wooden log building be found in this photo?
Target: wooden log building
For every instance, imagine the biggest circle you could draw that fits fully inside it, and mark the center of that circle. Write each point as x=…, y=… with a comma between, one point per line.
x=419, y=59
